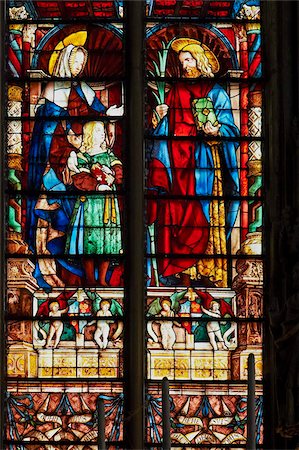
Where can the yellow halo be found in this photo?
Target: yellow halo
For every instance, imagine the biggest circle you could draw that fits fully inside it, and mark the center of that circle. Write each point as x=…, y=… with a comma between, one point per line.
x=187, y=45
x=77, y=39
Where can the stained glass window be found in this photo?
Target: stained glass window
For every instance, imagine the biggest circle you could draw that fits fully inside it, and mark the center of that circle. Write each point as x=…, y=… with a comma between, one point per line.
x=203, y=132
x=66, y=210
x=65, y=206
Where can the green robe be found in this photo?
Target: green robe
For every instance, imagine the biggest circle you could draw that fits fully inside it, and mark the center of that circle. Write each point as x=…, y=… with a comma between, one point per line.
x=95, y=227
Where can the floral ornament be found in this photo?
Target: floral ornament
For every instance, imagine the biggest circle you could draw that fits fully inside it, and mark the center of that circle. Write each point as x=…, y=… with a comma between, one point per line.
x=114, y=404
x=206, y=428
x=62, y=424
x=20, y=404
x=242, y=407
x=154, y=409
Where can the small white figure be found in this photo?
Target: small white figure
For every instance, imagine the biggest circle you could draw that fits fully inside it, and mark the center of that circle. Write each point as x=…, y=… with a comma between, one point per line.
x=56, y=327
x=166, y=328
x=213, y=328
x=102, y=332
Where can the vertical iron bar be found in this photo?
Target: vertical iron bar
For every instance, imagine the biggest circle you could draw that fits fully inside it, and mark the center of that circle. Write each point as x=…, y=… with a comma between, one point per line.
x=134, y=334
x=251, y=432
x=166, y=414
x=101, y=424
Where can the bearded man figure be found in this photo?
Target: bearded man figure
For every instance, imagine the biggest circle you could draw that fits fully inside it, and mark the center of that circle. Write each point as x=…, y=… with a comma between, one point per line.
x=195, y=170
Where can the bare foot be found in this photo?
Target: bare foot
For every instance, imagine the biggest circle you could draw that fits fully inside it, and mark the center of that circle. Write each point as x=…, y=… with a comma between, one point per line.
x=53, y=280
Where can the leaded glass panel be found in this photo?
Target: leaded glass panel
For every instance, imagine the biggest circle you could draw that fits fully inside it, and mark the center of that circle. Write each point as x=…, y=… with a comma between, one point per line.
x=204, y=271
x=65, y=211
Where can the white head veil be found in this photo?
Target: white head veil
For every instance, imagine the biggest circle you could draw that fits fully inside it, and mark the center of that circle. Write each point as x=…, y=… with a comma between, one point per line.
x=62, y=67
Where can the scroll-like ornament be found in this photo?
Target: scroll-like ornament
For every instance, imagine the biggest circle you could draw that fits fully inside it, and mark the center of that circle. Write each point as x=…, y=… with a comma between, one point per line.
x=184, y=438
x=179, y=437
x=220, y=421
x=233, y=437
x=90, y=436
x=47, y=418
x=219, y=436
x=190, y=421
x=81, y=418
x=206, y=438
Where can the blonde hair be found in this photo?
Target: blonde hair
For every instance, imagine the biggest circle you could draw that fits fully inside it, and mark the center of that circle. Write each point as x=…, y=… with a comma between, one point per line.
x=88, y=133
x=203, y=64
x=202, y=61
x=53, y=303
x=104, y=302
x=165, y=300
x=214, y=302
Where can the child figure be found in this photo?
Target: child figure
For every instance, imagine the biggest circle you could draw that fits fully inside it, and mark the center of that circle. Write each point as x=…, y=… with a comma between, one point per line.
x=95, y=222
x=166, y=328
x=56, y=327
x=213, y=328
x=102, y=332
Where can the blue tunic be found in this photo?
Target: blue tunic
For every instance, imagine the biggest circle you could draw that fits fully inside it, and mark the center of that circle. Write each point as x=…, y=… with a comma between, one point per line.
x=48, y=117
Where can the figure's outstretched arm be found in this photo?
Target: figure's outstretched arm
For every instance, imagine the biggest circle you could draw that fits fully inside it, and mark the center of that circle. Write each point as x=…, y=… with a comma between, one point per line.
x=97, y=105
x=204, y=310
x=89, y=95
x=210, y=313
x=115, y=110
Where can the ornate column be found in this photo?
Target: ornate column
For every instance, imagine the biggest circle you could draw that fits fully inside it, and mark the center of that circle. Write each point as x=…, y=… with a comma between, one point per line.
x=244, y=89
x=15, y=243
x=21, y=356
x=248, y=285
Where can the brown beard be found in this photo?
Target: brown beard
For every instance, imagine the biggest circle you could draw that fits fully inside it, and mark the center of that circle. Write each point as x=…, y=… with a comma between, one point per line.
x=192, y=73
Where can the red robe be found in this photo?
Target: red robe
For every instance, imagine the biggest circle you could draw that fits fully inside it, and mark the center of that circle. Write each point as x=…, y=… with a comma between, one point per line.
x=206, y=299
x=181, y=227
x=43, y=309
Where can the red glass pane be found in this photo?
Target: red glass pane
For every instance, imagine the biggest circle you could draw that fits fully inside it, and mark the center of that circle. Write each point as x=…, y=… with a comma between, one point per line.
x=193, y=3
x=47, y=4
x=219, y=5
x=68, y=9
x=75, y=4
x=165, y=2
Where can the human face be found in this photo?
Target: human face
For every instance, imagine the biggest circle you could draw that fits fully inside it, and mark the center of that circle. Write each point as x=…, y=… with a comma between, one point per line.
x=189, y=65
x=54, y=307
x=105, y=307
x=78, y=63
x=166, y=306
x=99, y=135
x=215, y=307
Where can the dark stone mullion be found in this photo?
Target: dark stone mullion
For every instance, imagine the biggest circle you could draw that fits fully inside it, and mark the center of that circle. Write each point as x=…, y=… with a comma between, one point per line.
x=134, y=332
